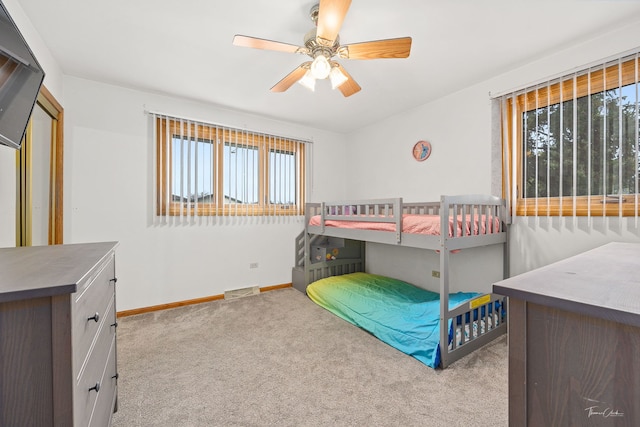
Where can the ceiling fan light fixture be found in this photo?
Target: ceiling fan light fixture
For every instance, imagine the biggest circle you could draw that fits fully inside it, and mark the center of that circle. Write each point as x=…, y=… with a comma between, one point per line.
x=321, y=44
x=308, y=81
x=337, y=77
x=320, y=67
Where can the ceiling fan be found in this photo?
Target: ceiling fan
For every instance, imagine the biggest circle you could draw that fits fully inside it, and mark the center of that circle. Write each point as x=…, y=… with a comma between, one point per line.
x=322, y=44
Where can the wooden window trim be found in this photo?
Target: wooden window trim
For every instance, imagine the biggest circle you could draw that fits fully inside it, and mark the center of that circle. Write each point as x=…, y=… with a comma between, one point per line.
x=584, y=206
x=592, y=81
x=220, y=137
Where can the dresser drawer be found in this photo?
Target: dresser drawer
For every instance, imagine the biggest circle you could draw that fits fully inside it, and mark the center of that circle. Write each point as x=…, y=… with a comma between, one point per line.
x=105, y=400
x=89, y=311
x=98, y=364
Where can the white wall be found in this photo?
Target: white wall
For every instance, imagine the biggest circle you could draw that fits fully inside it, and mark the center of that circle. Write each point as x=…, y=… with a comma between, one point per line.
x=7, y=197
x=384, y=166
x=459, y=128
x=108, y=184
x=53, y=81
x=108, y=158
x=52, y=70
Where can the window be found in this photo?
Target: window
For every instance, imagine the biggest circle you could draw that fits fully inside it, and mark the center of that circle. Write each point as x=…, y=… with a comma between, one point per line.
x=209, y=170
x=573, y=144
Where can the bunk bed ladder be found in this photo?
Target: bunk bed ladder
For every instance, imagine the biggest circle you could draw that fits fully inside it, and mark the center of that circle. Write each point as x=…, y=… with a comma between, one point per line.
x=299, y=255
x=300, y=271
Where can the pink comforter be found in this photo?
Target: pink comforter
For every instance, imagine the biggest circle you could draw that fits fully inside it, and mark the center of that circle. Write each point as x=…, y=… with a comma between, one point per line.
x=416, y=224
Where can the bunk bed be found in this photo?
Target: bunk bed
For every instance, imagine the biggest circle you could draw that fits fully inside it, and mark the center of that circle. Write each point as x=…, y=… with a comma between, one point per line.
x=333, y=244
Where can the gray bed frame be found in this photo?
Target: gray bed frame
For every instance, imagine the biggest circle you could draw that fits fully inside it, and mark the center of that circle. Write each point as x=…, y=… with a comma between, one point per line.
x=471, y=209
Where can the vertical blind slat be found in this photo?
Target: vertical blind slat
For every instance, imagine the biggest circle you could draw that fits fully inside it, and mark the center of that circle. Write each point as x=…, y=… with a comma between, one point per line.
x=266, y=159
x=560, y=155
x=535, y=165
x=605, y=132
x=181, y=163
x=589, y=144
x=514, y=157
x=637, y=133
x=548, y=142
x=575, y=147
x=620, y=144
x=168, y=156
x=157, y=193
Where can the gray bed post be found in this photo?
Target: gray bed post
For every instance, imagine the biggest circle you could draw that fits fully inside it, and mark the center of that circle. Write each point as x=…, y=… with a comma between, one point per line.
x=307, y=244
x=444, y=280
x=398, y=213
x=322, y=217
x=506, y=221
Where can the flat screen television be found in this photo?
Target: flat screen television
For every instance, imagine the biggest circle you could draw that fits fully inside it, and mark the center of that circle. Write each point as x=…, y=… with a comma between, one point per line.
x=20, y=79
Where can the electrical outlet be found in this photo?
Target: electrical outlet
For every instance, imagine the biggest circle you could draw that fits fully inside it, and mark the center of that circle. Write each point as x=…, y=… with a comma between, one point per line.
x=435, y=273
x=253, y=265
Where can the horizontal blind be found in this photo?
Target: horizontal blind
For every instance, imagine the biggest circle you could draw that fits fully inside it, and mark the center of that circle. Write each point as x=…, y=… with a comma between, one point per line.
x=205, y=170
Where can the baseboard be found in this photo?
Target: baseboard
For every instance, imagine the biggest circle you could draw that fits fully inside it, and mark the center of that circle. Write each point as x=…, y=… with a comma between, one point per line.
x=275, y=287
x=153, y=308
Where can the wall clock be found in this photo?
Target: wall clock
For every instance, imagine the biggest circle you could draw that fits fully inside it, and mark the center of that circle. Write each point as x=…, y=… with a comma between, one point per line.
x=422, y=150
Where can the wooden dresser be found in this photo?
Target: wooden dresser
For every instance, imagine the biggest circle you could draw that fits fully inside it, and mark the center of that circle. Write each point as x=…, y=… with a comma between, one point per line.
x=574, y=340
x=58, y=335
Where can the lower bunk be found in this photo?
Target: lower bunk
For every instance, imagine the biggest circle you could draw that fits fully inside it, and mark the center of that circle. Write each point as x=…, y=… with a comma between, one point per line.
x=410, y=318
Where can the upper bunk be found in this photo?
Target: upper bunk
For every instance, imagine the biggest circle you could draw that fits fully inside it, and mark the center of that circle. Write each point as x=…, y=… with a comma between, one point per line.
x=453, y=223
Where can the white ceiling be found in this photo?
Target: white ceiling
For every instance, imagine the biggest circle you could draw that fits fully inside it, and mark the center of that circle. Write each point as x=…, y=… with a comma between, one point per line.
x=184, y=48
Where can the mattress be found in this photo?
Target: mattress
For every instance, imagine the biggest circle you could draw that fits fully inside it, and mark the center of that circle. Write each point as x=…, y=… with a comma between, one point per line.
x=398, y=313
x=416, y=224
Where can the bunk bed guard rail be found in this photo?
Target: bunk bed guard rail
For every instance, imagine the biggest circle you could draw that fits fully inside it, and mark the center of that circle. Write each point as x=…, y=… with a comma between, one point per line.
x=474, y=215
x=377, y=210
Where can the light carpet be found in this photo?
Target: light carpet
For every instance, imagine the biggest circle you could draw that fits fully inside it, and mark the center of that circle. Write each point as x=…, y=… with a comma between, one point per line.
x=277, y=359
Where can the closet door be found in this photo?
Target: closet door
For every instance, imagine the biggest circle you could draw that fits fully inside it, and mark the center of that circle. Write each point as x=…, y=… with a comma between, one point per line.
x=39, y=216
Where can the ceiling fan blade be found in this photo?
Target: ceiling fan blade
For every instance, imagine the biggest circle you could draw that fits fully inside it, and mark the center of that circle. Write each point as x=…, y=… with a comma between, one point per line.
x=349, y=87
x=330, y=17
x=291, y=78
x=256, y=43
x=390, y=48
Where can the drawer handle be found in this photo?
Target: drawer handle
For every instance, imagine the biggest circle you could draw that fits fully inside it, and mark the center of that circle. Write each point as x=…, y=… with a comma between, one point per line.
x=96, y=387
x=95, y=317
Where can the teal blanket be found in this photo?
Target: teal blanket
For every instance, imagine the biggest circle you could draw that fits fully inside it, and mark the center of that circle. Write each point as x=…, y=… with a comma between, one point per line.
x=399, y=314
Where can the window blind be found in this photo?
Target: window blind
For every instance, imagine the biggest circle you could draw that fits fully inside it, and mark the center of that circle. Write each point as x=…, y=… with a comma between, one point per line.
x=571, y=144
x=206, y=170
